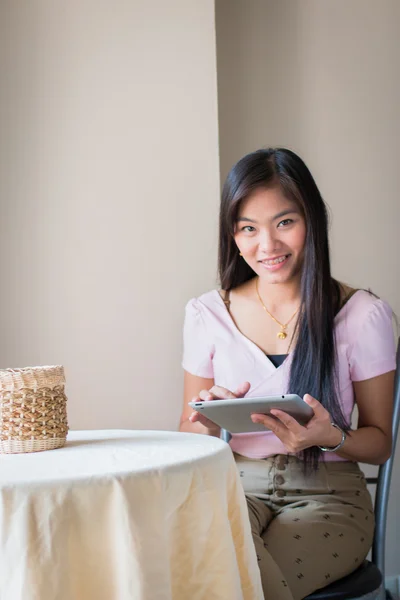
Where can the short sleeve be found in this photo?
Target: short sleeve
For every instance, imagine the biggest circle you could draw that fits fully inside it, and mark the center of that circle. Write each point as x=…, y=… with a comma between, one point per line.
x=373, y=353
x=197, y=352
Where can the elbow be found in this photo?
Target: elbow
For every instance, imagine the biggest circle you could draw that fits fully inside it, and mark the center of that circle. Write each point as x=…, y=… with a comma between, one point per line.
x=383, y=458
x=385, y=454
x=385, y=450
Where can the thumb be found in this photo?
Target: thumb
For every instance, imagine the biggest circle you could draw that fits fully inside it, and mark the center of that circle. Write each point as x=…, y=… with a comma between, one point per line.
x=313, y=403
x=242, y=389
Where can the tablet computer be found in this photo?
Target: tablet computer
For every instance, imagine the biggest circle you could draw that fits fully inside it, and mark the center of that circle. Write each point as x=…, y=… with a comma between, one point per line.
x=234, y=415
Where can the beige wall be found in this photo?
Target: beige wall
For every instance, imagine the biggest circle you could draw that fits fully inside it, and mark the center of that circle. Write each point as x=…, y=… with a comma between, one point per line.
x=323, y=78
x=109, y=190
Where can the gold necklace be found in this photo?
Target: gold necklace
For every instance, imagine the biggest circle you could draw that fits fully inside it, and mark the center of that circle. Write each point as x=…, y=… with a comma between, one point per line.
x=282, y=334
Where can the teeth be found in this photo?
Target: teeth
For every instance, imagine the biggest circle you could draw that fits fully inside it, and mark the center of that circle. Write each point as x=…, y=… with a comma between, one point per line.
x=276, y=261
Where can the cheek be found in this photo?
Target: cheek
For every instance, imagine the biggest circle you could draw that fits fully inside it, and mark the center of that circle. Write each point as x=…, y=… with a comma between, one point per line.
x=299, y=239
x=245, y=244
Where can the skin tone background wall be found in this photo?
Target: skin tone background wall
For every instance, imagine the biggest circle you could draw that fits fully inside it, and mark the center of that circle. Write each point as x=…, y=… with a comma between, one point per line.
x=322, y=78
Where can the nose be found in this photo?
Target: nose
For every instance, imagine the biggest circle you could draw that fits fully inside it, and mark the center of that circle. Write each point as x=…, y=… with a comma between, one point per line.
x=268, y=242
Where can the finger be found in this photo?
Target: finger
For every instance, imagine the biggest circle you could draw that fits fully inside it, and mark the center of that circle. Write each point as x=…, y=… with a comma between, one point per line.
x=315, y=405
x=221, y=392
x=207, y=395
x=270, y=423
x=194, y=416
x=287, y=420
x=242, y=389
x=197, y=417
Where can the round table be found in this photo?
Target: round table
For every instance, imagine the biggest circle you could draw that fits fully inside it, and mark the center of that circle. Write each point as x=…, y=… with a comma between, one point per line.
x=126, y=515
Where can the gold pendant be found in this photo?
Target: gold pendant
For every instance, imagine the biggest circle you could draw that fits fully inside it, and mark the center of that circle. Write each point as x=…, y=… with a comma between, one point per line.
x=282, y=335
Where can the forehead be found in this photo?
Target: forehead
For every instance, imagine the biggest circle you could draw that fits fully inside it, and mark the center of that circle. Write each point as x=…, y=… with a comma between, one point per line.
x=268, y=201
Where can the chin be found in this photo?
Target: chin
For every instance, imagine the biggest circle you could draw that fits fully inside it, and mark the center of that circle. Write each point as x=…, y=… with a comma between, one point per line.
x=274, y=278
x=277, y=280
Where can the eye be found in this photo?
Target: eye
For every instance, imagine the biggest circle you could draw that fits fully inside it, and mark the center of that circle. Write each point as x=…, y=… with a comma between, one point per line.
x=248, y=228
x=285, y=222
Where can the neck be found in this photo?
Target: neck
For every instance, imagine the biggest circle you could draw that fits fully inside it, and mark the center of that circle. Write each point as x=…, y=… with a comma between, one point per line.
x=280, y=294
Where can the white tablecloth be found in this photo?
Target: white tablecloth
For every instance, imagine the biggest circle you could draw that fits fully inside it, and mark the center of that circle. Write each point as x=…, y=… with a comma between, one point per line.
x=126, y=515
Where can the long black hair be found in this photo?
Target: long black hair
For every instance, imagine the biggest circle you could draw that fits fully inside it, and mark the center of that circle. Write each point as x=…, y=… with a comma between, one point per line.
x=313, y=368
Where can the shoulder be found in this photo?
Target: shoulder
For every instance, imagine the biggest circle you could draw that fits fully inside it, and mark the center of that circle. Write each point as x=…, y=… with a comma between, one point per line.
x=366, y=328
x=215, y=300
x=363, y=303
x=364, y=310
x=205, y=316
x=206, y=304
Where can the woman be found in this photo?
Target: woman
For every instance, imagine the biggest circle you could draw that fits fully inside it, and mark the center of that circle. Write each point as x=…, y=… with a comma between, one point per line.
x=282, y=324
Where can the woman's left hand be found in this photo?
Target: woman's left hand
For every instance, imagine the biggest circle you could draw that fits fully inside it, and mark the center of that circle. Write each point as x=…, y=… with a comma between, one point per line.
x=296, y=437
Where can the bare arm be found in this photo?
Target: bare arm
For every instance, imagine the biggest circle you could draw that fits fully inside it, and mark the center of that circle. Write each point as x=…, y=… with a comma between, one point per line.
x=192, y=386
x=371, y=442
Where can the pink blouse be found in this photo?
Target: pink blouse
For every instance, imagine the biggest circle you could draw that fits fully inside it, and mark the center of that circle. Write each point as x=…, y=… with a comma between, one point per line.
x=214, y=348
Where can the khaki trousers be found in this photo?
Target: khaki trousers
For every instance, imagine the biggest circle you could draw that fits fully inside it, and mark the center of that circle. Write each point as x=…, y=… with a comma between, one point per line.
x=308, y=530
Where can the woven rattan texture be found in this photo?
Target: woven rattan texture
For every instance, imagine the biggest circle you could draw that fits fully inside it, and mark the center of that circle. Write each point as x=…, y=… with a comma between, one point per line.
x=33, y=409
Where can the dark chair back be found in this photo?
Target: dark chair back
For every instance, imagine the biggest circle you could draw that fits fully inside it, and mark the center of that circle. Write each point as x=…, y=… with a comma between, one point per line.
x=383, y=482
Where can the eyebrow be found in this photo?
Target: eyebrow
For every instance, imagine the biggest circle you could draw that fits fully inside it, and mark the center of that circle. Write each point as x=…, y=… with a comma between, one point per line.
x=245, y=219
x=283, y=213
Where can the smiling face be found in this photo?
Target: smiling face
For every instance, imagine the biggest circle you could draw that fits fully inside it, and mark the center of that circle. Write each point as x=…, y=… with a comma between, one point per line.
x=270, y=232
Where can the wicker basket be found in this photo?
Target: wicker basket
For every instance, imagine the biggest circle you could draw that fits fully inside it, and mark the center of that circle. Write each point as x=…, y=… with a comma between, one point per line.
x=33, y=409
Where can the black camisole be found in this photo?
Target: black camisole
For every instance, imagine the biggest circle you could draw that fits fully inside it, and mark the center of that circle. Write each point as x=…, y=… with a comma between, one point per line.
x=276, y=359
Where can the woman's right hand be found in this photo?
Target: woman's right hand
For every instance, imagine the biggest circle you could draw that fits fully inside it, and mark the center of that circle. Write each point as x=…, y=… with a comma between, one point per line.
x=216, y=393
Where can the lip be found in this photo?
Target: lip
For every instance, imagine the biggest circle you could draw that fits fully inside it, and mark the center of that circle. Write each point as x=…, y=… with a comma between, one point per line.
x=278, y=265
x=273, y=257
